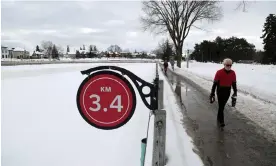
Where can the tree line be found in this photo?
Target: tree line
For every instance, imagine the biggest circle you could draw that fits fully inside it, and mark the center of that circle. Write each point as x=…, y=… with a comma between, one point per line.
x=269, y=40
x=165, y=50
x=238, y=49
x=51, y=51
x=92, y=52
x=176, y=18
x=219, y=49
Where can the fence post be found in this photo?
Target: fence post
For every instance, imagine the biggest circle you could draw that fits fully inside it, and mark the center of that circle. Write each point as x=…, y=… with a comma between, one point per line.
x=160, y=94
x=159, y=139
x=159, y=135
x=156, y=70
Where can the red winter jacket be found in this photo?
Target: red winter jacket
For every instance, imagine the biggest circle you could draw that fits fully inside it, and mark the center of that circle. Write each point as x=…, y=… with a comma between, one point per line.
x=224, y=80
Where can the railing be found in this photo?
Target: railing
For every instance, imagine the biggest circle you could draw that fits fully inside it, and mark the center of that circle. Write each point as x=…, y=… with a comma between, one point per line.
x=159, y=133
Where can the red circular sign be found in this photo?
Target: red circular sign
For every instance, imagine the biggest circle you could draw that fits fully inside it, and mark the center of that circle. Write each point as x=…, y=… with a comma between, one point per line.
x=106, y=100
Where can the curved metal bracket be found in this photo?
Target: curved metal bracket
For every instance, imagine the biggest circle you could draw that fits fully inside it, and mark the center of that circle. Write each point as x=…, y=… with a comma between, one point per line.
x=153, y=94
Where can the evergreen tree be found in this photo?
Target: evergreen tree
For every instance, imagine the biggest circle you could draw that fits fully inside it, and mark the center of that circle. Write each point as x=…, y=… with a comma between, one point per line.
x=167, y=50
x=68, y=49
x=90, y=48
x=90, y=54
x=37, y=48
x=83, y=47
x=233, y=47
x=54, y=52
x=78, y=54
x=90, y=51
x=269, y=40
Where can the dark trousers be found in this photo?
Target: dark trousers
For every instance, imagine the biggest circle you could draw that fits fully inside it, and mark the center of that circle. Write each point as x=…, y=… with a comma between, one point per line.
x=223, y=96
x=166, y=68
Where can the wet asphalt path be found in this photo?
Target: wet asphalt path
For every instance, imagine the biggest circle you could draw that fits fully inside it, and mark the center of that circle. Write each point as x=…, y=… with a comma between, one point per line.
x=238, y=145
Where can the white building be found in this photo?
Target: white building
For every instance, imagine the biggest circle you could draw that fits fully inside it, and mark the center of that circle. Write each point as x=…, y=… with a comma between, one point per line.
x=135, y=54
x=4, y=52
x=20, y=53
x=7, y=52
x=151, y=55
x=37, y=54
x=11, y=53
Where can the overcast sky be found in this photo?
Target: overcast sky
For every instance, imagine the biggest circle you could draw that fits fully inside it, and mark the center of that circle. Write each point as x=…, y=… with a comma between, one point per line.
x=102, y=23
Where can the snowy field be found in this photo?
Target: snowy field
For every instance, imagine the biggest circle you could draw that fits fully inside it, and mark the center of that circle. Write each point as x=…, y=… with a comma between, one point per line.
x=256, y=89
x=41, y=124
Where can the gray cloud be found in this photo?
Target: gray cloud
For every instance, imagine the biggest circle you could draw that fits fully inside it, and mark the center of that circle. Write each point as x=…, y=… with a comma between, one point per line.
x=26, y=24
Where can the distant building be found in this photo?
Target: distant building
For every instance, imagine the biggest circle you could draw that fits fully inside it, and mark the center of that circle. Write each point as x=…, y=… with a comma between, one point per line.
x=37, y=55
x=112, y=54
x=4, y=52
x=151, y=55
x=20, y=53
x=11, y=53
x=70, y=54
x=7, y=52
x=135, y=54
x=125, y=54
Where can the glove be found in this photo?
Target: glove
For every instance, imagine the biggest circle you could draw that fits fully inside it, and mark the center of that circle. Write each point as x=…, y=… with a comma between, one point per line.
x=234, y=99
x=212, y=98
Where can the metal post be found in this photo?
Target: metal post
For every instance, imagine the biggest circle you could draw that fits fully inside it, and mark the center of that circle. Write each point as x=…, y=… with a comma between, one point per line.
x=159, y=135
x=159, y=139
x=160, y=94
x=143, y=150
x=156, y=70
x=187, y=59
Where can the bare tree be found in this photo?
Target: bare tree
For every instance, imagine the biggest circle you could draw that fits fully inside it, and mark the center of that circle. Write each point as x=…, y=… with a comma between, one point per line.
x=243, y=5
x=164, y=50
x=114, y=48
x=60, y=50
x=47, y=46
x=177, y=18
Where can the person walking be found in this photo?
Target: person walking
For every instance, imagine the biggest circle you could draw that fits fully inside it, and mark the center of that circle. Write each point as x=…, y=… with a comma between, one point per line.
x=166, y=66
x=172, y=63
x=225, y=78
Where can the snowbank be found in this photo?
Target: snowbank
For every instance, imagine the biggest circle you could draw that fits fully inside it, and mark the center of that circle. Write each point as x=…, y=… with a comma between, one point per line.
x=256, y=80
x=179, y=146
